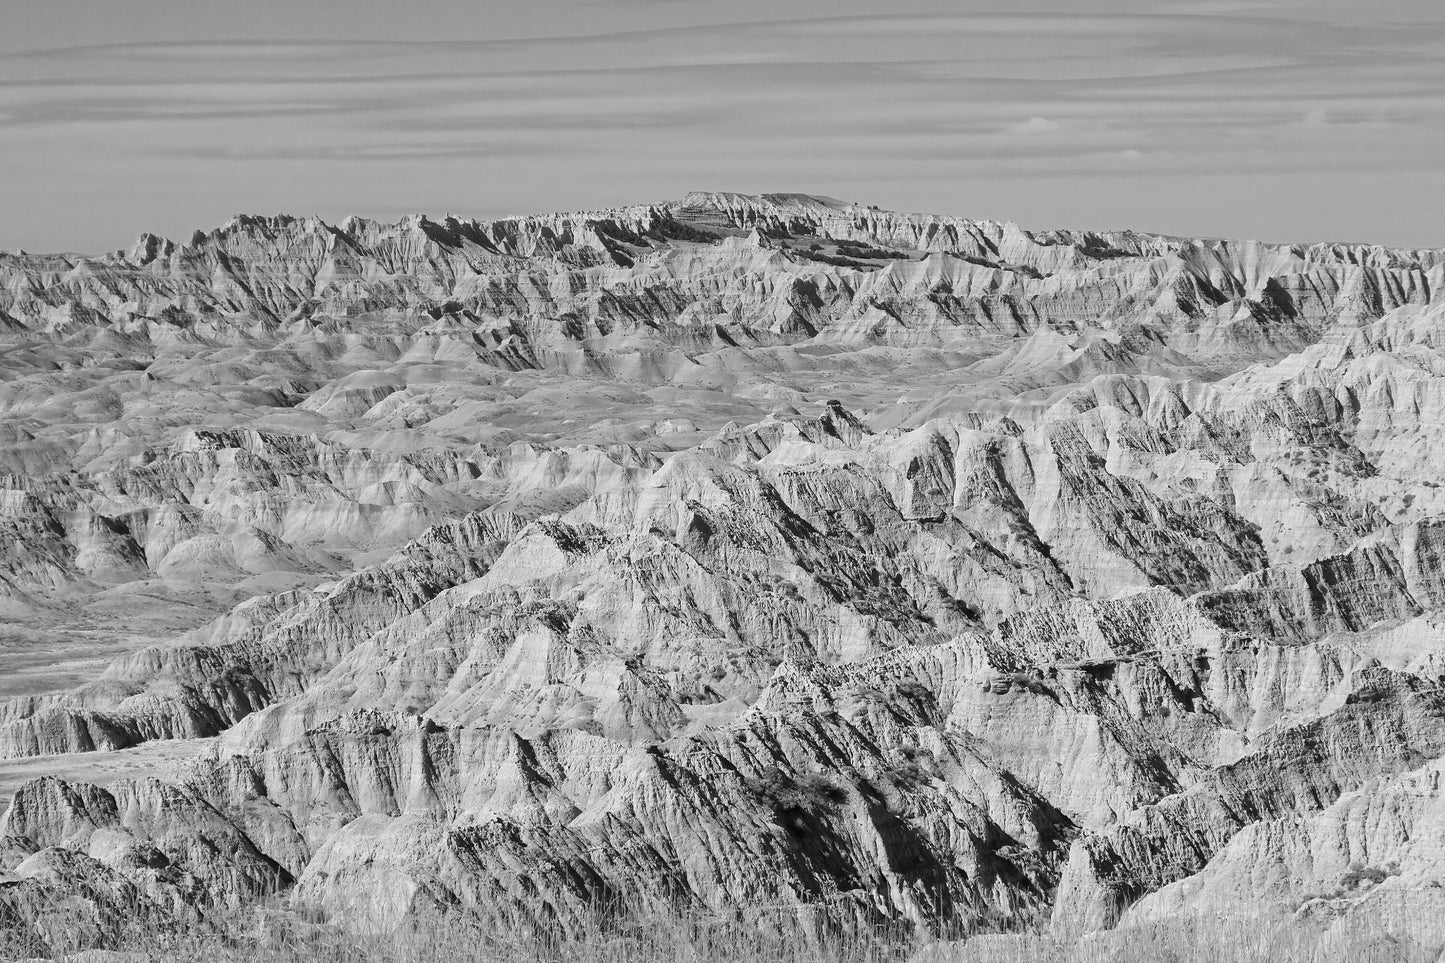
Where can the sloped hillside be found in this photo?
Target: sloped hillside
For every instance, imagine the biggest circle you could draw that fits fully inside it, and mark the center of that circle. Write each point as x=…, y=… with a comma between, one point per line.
x=725, y=553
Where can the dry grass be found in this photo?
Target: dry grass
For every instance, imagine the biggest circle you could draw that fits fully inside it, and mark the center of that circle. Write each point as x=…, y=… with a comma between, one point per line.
x=71, y=930
x=275, y=934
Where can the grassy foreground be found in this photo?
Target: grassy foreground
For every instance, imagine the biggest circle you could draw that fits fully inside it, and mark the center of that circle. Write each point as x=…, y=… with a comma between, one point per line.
x=74, y=931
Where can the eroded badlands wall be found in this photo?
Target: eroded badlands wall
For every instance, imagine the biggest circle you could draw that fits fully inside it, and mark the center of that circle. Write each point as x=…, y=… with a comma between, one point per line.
x=727, y=552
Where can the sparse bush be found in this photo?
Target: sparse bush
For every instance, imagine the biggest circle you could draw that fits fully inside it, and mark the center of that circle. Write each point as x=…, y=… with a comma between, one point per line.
x=1359, y=875
x=861, y=250
x=1030, y=681
x=820, y=789
x=912, y=690
x=176, y=316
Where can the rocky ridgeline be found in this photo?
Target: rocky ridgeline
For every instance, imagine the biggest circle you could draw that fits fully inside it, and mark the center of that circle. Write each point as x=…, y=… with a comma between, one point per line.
x=733, y=552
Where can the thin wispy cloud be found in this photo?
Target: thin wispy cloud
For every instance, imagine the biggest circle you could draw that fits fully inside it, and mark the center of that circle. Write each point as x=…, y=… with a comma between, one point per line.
x=1050, y=118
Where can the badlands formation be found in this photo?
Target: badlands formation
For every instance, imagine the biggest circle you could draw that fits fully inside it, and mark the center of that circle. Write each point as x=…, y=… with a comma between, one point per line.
x=726, y=553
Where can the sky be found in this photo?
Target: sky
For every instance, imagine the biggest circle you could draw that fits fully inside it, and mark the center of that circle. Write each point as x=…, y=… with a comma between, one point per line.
x=1280, y=120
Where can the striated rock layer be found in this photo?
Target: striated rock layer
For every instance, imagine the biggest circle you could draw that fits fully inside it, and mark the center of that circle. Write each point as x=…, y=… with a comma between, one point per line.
x=726, y=553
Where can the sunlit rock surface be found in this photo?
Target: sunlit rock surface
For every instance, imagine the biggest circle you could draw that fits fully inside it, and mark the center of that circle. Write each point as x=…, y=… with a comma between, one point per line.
x=723, y=553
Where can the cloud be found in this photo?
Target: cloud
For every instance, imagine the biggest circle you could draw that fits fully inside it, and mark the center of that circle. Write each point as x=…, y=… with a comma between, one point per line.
x=1035, y=125
x=633, y=97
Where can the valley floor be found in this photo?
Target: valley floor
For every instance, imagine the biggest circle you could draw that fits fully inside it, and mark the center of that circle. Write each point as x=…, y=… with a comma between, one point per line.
x=164, y=759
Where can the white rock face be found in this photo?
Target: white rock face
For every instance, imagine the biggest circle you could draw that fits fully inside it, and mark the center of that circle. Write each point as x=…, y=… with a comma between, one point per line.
x=724, y=553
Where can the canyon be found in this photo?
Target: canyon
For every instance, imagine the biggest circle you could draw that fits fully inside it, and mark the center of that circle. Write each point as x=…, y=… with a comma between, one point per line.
x=727, y=553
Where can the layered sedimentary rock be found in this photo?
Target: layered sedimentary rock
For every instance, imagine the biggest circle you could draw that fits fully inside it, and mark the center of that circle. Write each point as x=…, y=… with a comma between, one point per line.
x=725, y=553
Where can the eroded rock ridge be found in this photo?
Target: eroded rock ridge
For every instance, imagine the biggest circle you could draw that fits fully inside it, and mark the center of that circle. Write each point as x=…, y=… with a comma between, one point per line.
x=728, y=552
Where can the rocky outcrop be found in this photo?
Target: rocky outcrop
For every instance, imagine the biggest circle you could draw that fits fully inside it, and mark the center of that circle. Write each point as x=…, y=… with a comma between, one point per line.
x=729, y=553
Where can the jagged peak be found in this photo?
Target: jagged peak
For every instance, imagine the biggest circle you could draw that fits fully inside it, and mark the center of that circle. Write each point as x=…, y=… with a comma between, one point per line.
x=149, y=246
